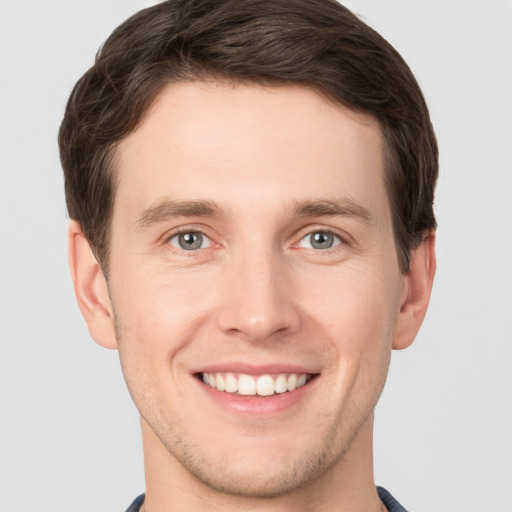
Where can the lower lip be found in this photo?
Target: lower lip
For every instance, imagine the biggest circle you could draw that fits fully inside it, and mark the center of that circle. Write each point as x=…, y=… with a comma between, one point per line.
x=260, y=405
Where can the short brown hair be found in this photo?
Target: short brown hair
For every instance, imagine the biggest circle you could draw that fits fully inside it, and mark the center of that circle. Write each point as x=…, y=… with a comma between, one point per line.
x=318, y=44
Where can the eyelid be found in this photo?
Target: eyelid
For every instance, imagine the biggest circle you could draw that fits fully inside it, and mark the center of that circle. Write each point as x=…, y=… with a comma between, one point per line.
x=204, y=238
x=344, y=238
x=200, y=229
x=335, y=235
x=336, y=240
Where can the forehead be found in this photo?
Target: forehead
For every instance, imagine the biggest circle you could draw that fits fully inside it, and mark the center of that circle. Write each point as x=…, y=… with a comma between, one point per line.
x=241, y=143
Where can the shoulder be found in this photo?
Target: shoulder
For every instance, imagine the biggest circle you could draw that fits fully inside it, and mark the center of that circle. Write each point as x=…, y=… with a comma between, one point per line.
x=391, y=504
x=137, y=502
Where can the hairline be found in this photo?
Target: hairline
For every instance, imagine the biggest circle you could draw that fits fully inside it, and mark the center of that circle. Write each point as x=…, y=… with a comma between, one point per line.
x=112, y=166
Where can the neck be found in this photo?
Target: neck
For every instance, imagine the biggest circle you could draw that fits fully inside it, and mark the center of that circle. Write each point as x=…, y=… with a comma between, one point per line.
x=348, y=485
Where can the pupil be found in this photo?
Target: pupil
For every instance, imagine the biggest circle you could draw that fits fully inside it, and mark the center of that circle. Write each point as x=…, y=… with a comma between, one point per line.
x=322, y=240
x=190, y=241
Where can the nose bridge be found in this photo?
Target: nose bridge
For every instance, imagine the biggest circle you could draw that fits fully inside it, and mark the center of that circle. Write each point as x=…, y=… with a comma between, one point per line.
x=257, y=299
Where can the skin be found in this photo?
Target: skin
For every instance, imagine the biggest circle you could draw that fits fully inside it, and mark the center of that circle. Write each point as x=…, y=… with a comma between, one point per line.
x=255, y=292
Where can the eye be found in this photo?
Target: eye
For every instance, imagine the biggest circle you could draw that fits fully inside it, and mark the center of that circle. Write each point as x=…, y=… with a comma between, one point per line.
x=320, y=240
x=190, y=241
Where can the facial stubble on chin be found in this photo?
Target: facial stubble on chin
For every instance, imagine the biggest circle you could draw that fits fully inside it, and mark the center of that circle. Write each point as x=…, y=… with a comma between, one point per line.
x=296, y=472
x=288, y=476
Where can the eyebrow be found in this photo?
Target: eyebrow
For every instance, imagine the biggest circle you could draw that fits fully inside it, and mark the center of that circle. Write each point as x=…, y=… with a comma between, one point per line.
x=344, y=207
x=168, y=209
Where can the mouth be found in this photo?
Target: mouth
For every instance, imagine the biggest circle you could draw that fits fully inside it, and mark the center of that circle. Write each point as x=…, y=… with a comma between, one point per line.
x=245, y=385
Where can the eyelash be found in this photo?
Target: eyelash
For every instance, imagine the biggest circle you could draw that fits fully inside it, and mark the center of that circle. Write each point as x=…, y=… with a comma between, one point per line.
x=191, y=252
x=338, y=240
x=184, y=231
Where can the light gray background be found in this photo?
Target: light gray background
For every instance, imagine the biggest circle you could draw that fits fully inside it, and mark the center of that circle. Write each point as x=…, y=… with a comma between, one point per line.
x=69, y=435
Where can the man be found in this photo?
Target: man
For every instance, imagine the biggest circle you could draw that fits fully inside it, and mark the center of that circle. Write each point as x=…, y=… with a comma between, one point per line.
x=251, y=185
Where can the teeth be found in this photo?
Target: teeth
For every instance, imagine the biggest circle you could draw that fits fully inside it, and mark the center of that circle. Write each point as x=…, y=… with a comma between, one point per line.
x=281, y=384
x=247, y=385
x=231, y=383
x=220, y=383
x=292, y=382
x=265, y=385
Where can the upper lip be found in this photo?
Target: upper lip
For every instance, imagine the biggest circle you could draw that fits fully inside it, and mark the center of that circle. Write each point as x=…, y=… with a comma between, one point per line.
x=252, y=369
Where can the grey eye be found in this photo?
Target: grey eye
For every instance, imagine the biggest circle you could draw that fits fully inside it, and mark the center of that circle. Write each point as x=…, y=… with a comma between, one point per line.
x=320, y=240
x=190, y=241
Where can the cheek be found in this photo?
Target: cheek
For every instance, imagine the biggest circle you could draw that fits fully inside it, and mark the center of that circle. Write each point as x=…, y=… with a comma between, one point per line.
x=159, y=312
x=355, y=303
x=156, y=319
x=355, y=310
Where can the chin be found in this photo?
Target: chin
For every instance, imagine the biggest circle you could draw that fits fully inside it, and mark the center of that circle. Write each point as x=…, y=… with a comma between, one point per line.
x=259, y=477
x=258, y=468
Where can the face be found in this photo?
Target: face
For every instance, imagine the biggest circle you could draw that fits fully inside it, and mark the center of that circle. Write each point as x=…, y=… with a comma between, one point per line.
x=254, y=282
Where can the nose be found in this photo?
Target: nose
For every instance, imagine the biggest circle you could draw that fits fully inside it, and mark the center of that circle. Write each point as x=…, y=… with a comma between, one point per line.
x=258, y=298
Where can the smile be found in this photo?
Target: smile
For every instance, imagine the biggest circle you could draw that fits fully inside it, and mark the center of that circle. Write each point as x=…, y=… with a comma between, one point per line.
x=249, y=385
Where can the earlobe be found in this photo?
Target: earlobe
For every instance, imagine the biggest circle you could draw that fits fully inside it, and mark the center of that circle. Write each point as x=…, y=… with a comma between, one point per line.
x=417, y=290
x=90, y=288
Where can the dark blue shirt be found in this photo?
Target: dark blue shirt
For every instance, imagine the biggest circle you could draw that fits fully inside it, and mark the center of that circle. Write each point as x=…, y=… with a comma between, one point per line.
x=391, y=504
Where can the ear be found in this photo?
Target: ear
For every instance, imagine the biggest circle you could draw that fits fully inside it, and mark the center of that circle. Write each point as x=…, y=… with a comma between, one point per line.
x=90, y=288
x=416, y=293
